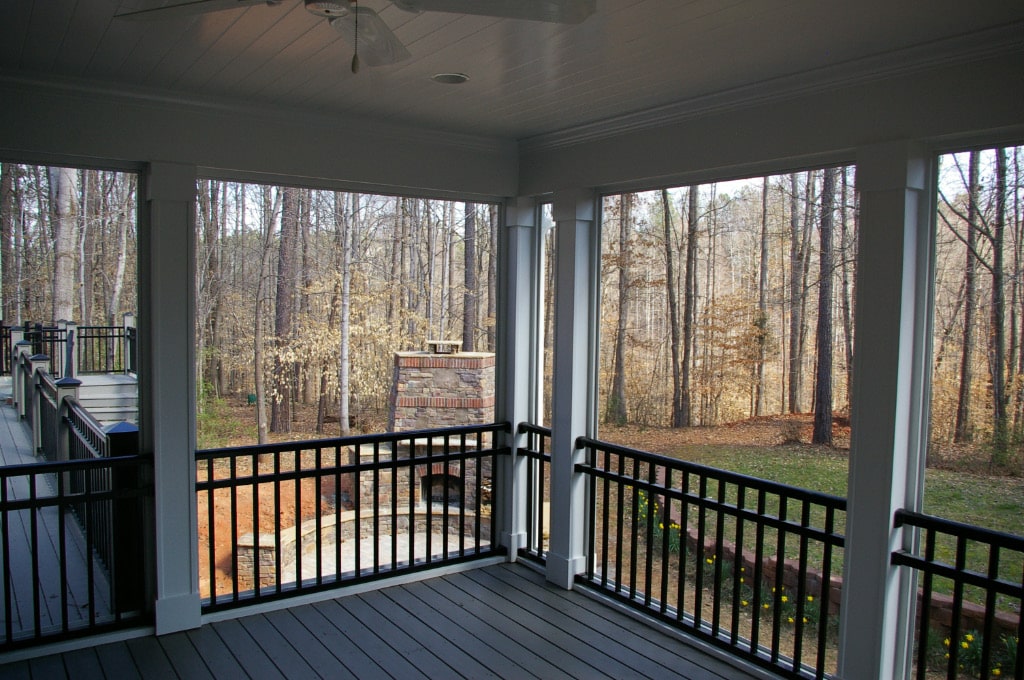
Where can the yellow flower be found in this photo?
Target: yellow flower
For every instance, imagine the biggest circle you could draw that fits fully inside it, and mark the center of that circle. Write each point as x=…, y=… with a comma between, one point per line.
x=661, y=525
x=765, y=605
x=710, y=560
x=744, y=603
x=969, y=637
x=997, y=672
x=741, y=579
x=805, y=619
x=810, y=598
x=784, y=598
x=946, y=642
x=791, y=619
x=965, y=644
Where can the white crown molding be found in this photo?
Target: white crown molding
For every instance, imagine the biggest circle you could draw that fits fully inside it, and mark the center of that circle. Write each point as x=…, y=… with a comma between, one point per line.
x=946, y=52
x=143, y=97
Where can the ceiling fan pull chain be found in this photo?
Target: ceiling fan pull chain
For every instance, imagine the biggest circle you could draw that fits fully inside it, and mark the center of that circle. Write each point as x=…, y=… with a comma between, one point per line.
x=355, y=53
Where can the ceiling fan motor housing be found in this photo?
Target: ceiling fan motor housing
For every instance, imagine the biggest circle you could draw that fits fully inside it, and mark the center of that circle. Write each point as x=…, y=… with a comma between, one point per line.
x=329, y=8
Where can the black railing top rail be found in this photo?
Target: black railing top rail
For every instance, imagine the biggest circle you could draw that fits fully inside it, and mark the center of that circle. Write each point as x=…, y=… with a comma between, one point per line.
x=437, y=456
x=954, y=528
x=355, y=440
x=530, y=428
x=739, y=479
x=83, y=420
x=61, y=466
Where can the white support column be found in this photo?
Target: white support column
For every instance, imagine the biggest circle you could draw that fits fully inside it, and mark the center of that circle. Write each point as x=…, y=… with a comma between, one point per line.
x=889, y=404
x=577, y=257
x=166, y=385
x=517, y=367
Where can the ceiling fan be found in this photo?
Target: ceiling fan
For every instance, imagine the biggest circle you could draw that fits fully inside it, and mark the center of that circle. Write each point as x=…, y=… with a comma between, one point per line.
x=374, y=42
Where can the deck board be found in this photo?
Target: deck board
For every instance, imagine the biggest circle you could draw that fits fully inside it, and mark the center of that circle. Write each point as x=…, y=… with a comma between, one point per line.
x=498, y=621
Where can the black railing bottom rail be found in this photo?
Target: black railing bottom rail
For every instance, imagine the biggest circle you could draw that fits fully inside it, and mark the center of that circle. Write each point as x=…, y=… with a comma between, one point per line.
x=281, y=520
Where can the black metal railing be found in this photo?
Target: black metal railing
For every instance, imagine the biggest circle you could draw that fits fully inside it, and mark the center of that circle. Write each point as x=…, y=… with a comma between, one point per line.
x=746, y=564
x=537, y=451
x=975, y=631
x=92, y=349
x=48, y=340
x=53, y=587
x=280, y=520
x=101, y=349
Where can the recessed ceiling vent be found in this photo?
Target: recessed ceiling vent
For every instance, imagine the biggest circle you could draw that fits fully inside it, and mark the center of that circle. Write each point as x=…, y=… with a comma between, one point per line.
x=328, y=8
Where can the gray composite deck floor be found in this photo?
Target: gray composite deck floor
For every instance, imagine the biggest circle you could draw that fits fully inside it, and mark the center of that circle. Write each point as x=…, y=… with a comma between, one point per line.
x=498, y=621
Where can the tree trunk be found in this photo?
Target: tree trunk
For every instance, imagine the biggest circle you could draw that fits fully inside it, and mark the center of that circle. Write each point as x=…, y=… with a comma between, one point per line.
x=962, y=427
x=761, y=320
x=63, y=190
x=846, y=258
x=281, y=404
x=10, y=199
x=673, y=311
x=822, y=433
x=348, y=230
x=267, y=232
x=469, y=295
x=616, y=412
x=689, y=306
x=1000, y=422
x=492, y=277
x=796, y=277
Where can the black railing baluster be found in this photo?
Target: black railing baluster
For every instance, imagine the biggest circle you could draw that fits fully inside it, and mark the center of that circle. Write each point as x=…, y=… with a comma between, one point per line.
x=376, y=509
x=211, y=525
x=756, y=606
x=665, y=519
x=233, y=494
x=738, y=568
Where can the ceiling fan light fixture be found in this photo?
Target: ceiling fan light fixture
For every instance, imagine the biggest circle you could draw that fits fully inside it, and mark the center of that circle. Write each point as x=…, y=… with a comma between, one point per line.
x=449, y=78
x=329, y=8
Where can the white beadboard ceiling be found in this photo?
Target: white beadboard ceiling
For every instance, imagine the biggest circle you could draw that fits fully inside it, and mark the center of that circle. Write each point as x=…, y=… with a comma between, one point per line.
x=526, y=79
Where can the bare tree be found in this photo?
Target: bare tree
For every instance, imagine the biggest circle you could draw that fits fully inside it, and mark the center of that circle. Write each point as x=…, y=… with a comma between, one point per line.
x=469, y=295
x=63, y=205
x=616, y=412
x=962, y=428
x=822, y=433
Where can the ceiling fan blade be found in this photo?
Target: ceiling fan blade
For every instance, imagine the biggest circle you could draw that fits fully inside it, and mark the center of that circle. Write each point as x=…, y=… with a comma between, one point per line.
x=190, y=9
x=378, y=45
x=554, y=11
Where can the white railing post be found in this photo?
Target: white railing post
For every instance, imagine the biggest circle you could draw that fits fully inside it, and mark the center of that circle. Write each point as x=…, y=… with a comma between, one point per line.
x=126, y=349
x=38, y=363
x=22, y=348
x=67, y=388
x=70, y=358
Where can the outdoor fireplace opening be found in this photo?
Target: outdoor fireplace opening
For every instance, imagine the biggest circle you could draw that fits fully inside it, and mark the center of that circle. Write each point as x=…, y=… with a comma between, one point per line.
x=442, y=488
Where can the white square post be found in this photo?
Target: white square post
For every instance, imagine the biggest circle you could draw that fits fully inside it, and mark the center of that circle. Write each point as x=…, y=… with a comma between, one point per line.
x=577, y=270
x=889, y=415
x=166, y=385
x=517, y=356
